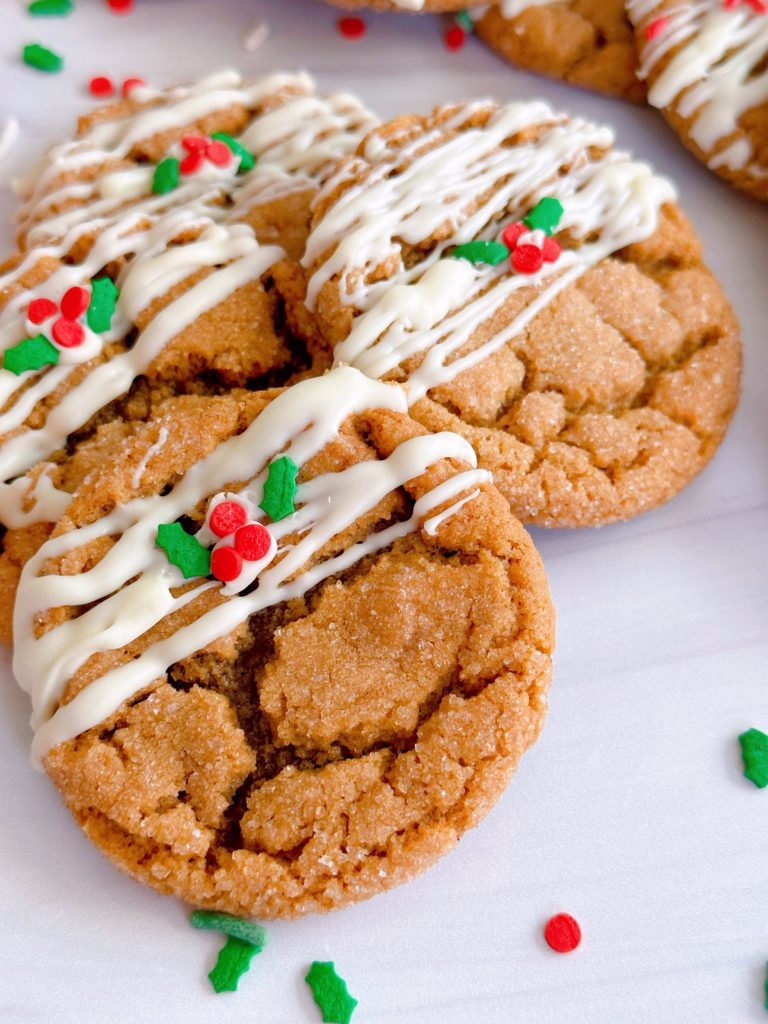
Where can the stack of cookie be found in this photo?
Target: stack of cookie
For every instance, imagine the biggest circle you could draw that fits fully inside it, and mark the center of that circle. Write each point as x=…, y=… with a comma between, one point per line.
x=703, y=63
x=281, y=384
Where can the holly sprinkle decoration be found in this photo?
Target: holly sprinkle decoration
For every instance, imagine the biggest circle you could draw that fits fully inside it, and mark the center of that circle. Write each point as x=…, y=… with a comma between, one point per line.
x=754, y=752
x=183, y=550
x=219, y=150
x=330, y=992
x=67, y=331
x=527, y=243
x=280, y=489
x=759, y=6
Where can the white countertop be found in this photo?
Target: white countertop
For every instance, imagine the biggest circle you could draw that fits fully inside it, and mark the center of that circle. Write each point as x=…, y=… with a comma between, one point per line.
x=630, y=813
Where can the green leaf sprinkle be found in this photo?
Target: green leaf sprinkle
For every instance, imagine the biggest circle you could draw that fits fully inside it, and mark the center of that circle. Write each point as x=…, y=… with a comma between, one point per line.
x=166, y=176
x=235, y=927
x=37, y=56
x=50, y=8
x=234, y=960
x=101, y=308
x=183, y=550
x=464, y=20
x=482, y=252
x=280, y=489
x=545, y=216
x=754, y=752
x=30, y=354
x=247, y=159
x=330, y=993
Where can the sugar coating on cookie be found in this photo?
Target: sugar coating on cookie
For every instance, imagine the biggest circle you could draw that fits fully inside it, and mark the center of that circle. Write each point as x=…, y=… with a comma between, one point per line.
x=589, y=43
x=359, y=699
x=706, y=66
x=593, y=388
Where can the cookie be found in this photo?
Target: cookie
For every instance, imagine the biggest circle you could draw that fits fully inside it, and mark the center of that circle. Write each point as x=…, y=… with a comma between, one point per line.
x=537, y=292
x=233, y=744
x=589, y=43
x=706, y=65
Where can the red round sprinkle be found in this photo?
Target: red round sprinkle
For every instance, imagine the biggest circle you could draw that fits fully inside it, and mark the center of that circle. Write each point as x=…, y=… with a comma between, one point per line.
x=218, y=153
x=226, y=564
x=253, y=541
x=352, y=28
x=562, y=933
x=551, y=250
x=227, y=517
x=191, y=163
x=455, y=37
x=100, y=85
x=41, y=309
x=75, y=302
x=130, y=84
x=68, y=333
x=512, y=233
x=120, y=6
x=195, y=143
x=527, y=259
x=656, y=27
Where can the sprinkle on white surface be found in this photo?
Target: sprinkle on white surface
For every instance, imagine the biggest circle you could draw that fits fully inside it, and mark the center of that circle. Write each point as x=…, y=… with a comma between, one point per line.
x=255, y=35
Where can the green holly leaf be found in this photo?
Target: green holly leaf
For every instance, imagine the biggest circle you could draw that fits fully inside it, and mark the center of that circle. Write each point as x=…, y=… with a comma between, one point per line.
x=166, y=176
x=482, y=252
x=545, y=216
x=40, y=57
x=101, y=308
x=30, y=354
x=235, y=927
x=234, y=960
x=754, y=752
x=50, y=8
x=280, y=489
x=247, y=159
x=183, y=550
x=330, y=993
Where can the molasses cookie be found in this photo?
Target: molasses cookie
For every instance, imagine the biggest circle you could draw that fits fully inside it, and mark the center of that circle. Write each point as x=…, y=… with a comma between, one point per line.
x=706, y=65
x=284, y=648
x=585, y=42
x=537, y=292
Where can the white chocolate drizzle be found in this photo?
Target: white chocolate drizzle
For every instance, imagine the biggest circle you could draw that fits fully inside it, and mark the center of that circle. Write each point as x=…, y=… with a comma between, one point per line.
x=430, y=307
x=132, y=588
x=713, y=76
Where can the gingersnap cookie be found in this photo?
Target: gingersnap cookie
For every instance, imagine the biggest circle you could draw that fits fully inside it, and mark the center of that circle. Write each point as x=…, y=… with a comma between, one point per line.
x=706, y=65
x=284, y=648
x=538, y=293
x=589, y=43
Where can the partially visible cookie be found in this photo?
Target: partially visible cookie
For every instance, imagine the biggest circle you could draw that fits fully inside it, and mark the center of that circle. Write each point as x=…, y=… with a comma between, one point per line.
x=327, y=722
x=584, y=42
x=538, y=293
x=706, y=65
x=413, y=6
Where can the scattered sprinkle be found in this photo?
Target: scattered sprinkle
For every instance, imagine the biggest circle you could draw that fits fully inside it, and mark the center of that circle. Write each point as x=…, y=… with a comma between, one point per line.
x=330, y=993
x=253, y=542
x=120, y=6
x=40, y=310
x=247, y=159
x=754, y=752
x=234, y=960
x=226, y=564
x=545, y=216
x=166, y=176
x=30, y=354
x=352, y=27
x=454, y=37
x=101, y=309
x=482, y=252
x=50, y=8
x=235, y=927
x=562, y=933
x=74, y=302
x=280, y=488
x=227, y=517
x=130, y=84
x=68, y=333
x=527, y=259
x=9, y=133
x=464, y=20
x=656, y=27
x=255, y=35
x=40, y=57
x=101, y=86
x=183, y=550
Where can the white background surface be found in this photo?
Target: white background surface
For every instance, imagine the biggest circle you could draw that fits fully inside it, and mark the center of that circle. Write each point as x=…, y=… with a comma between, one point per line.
x=630, y=813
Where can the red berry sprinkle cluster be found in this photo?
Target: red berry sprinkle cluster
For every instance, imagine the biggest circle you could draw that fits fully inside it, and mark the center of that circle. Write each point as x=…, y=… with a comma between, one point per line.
x=67, y=331
x=200, y=148
x=251, y=541
x=530, y=250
